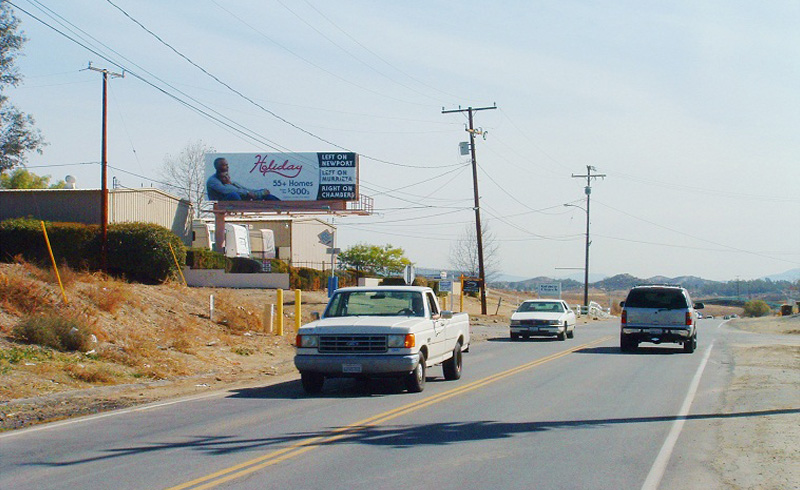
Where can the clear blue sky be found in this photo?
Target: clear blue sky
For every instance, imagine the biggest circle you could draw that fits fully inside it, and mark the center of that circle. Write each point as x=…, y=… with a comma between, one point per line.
x=691, y=109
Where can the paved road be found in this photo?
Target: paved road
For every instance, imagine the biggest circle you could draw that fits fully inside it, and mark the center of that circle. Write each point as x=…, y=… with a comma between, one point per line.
x=538, y=414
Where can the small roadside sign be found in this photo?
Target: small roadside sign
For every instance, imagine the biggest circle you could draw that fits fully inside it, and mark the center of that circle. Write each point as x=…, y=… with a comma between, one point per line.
x=552, y=290
x=472, y=285
x=446, y=286
x=330, y=251
x=326, y=238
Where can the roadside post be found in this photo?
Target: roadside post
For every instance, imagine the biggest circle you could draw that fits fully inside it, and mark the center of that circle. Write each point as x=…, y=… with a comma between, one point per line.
x=280, y=313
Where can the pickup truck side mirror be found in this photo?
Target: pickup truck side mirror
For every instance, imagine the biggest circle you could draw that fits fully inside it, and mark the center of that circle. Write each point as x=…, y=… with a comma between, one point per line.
x=446, y=314
x=622, y=304
x=315, y=315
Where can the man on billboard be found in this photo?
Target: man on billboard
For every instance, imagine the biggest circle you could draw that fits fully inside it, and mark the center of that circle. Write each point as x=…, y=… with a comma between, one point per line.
x=220, y=187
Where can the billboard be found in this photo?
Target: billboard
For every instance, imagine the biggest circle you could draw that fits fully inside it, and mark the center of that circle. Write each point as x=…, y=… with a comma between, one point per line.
x=325, y=176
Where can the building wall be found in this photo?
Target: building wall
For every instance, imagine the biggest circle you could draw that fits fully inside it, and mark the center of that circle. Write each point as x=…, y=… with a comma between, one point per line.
x=67, y=205
x=151, y=206
x=84, y=206
x=307, y=251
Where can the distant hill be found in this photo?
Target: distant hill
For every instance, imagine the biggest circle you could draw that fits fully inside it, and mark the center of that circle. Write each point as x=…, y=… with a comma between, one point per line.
x=775, y=290
x=790, y=275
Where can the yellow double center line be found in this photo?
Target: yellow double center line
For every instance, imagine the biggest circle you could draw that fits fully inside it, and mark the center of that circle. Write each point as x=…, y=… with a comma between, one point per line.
x=298, y=448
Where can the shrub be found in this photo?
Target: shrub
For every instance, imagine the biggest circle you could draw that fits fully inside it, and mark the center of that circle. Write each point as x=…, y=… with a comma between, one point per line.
x=141, y=252
x=203, y=258
x=138, y=251
x=308, y=279
x=244, y=265
x=59, y=333
x=73, y=243
x=756, y=308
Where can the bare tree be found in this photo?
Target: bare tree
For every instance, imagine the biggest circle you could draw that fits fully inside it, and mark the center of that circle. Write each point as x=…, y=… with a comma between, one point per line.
x=464, y=253
x=184, y=174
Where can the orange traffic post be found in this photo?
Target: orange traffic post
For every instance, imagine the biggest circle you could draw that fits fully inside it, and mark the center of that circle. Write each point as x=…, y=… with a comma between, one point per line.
x=53, y=259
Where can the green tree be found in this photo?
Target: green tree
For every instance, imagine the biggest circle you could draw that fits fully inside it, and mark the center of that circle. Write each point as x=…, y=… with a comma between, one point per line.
x=374, y=259
x=17, y=134
x=756, y=308
x=23, y=179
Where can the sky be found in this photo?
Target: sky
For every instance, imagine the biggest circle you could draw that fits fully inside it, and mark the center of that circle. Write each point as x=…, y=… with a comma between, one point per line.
x=690, y=109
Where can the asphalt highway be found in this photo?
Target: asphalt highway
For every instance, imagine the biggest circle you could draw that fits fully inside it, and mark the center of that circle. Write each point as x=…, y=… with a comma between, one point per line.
x=541, y=413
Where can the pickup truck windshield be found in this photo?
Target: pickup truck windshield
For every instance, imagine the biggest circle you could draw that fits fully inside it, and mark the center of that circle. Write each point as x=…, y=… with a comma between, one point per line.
x=376, y=303
x=541, y=306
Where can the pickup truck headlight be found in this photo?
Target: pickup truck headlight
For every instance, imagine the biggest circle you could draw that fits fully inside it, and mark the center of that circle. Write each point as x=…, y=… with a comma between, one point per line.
x=406, y=340
x=553, y=322
x=515, y=323
x=307, y=341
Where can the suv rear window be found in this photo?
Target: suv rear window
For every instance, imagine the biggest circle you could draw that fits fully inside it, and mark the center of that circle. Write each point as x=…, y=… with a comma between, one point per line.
x=671, y=299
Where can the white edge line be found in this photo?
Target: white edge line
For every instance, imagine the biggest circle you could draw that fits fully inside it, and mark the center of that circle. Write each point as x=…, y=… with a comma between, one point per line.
x=113, y=413
x=660, y=465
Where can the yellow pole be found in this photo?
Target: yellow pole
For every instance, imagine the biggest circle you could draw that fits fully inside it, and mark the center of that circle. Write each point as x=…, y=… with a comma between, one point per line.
x=176, y=263
x=280, y=313
x=53, y=259
x=298, y=310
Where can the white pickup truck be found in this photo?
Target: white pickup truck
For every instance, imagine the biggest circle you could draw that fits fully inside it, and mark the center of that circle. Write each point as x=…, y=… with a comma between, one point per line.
x=384, y=331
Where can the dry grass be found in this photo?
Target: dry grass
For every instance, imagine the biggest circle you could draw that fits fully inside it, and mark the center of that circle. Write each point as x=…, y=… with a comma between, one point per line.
x=108, y=295
x=235, y=316
x=22, y=295
x=93, y=373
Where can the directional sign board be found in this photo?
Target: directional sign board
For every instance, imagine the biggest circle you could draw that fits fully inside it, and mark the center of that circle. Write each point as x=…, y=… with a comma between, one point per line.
x=446, y=286
x=472, y=285
x=549, y=290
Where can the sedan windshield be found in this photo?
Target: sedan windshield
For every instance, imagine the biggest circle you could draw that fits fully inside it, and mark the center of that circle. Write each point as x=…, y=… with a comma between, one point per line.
x=376, y=303
x=541, y=306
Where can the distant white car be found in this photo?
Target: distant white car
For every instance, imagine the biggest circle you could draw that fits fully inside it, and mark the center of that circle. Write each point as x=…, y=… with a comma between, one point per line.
x=543, y=317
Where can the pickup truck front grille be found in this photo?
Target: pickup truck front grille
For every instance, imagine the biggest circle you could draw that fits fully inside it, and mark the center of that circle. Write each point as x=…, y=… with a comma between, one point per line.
x=352, y=343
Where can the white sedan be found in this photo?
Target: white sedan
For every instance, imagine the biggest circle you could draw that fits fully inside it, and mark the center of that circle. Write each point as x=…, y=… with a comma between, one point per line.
x=543, y=317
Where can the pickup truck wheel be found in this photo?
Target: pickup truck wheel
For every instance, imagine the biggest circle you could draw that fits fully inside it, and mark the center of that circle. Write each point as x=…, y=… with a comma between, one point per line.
x=625, y=344
x=571, y=333
x=415, y=380
x=514, y=336
x=690, y=345
x=452, y=366
x=312, y=382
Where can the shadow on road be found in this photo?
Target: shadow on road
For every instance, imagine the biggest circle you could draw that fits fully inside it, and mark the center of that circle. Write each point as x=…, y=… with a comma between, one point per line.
x=394, y=436
x=333, y=388
x=639, y=351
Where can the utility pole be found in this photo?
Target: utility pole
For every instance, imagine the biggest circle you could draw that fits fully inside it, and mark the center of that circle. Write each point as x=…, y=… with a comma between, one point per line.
x=471, y=130
x=104, y=167
x=588, y=190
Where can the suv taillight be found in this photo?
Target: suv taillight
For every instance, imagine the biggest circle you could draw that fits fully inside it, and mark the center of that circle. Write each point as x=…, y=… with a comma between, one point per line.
x=688, y=318
x=624, y=317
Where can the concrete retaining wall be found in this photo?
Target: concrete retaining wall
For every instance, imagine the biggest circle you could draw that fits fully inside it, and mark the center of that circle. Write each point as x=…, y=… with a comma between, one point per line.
x=218, y=278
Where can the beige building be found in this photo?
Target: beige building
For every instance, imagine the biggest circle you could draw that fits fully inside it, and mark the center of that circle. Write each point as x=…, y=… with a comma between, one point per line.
x=148, y=205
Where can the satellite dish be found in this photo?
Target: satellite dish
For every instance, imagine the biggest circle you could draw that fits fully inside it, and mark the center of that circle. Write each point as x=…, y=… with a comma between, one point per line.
x=70, y=182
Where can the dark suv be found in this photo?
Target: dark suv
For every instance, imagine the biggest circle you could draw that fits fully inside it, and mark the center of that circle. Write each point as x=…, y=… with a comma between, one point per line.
x=658, y=313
